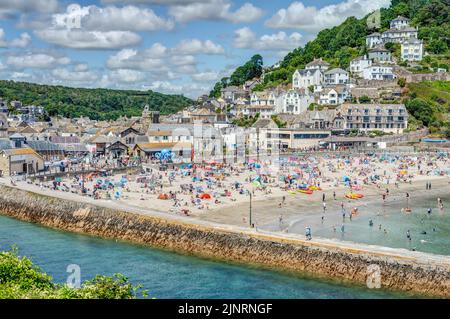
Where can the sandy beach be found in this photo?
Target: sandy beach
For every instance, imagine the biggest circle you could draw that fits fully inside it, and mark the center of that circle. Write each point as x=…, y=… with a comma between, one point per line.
x=300, y=192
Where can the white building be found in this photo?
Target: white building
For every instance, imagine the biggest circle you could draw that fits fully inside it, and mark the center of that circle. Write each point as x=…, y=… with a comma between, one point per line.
x=333, y=95
x=379, y=54
x=372, y=40
x=265, y=111
x=398, y=36
x=294, y=101
x=389, y=118
x=412, y=50
x=336, y=76
x=399, y=31
x=399, y=23
x=379, y=72
x=318, y=64
x=303, y=79
x=264, y=98
x=359, y=64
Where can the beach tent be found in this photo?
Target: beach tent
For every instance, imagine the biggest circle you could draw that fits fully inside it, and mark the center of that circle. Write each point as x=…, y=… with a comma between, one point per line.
x=205, y=196
x=163, y=196
x=346, y=179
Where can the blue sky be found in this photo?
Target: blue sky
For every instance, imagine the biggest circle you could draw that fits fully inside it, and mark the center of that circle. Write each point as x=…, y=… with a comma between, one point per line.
x=170, y=46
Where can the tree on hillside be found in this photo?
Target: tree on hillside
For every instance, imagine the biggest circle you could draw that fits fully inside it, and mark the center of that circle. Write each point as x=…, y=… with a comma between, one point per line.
x=421, y=110
x=251, y=69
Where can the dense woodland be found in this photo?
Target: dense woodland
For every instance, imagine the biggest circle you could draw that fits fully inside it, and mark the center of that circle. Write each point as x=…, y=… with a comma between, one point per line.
x=98, y=104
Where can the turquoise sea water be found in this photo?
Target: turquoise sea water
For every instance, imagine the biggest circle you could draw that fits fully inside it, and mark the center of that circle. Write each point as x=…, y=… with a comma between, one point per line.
x=429, y=232
x=164, y=274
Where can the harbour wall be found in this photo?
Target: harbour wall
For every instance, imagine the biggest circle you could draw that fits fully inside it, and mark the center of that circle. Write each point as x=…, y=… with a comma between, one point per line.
x=306, y=257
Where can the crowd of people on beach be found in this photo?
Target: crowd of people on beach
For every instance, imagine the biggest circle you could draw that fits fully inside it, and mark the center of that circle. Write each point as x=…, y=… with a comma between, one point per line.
x=189, y=189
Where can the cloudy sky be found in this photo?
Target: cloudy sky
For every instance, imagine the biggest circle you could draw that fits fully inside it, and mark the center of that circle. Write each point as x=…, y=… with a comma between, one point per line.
x=170, y=46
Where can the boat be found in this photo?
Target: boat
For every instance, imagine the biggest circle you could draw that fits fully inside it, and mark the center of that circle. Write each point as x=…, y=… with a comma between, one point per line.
x=314, y=188
x=305, y=191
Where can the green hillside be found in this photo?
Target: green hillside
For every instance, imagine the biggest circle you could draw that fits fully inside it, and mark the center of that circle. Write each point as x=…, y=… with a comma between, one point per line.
x=98, y=104
x=340, y=44
x=429, y=104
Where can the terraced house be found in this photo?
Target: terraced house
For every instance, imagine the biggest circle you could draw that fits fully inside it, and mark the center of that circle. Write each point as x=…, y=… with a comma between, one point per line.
x=389, y=118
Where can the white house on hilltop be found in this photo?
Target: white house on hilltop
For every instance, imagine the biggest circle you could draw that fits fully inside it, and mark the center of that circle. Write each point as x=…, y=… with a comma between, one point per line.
x=399, y=23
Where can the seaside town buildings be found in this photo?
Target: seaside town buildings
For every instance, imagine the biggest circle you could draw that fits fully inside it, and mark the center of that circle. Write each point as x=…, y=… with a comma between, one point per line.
x=323, y=106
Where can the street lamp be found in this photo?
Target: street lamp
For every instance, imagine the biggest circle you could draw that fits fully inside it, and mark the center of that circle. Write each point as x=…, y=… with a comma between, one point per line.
x=250, y=210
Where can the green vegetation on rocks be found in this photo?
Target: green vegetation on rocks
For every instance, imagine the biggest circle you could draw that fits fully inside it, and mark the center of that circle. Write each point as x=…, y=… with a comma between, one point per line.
x=21, y=279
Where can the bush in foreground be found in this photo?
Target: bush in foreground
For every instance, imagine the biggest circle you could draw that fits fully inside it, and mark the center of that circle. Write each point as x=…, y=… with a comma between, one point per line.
x=21, y=279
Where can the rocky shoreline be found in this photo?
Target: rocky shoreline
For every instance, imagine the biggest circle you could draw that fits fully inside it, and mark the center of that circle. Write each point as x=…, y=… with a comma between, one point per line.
x=420, y=274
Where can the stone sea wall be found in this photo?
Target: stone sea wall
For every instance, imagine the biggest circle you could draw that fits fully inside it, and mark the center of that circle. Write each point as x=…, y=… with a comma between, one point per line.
x=397, y=273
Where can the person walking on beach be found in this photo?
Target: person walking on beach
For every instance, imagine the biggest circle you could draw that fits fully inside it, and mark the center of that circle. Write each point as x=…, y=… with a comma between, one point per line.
x=429, y=211
x=408, y=235
x=324, y=207
x=308, y=233
x=343, y=228
x=334, y=195
x=370, y=223
x=323, y=197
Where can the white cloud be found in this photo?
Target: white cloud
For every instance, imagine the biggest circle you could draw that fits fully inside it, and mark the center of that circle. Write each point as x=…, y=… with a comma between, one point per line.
x=20, y=42
x=247, y=39
x=215, y=10
x=80, y=39
x=92, y=27
x=151, y=59
x=313, y=19
x=158, y=58
x=20, y=75
x=128, y=18
x=205, y=76
x=36, y=61
x=196, y=46
x=126, y=76
x=81, y=67
x=161, y=2
x=67, y=75
x=191, y=89
x=10, y=8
